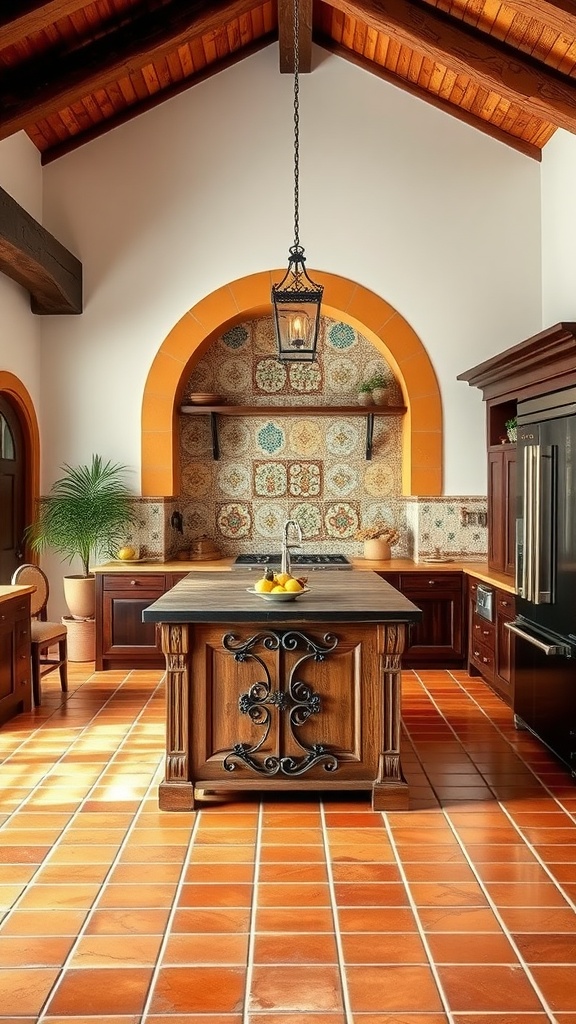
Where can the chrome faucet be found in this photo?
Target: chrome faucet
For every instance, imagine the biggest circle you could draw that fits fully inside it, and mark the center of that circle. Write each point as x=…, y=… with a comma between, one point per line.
x=285, y=565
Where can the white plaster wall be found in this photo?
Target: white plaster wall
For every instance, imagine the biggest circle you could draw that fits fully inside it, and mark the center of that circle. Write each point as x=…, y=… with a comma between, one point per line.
x=559, y=229
x=438, y=219
x=20, y=330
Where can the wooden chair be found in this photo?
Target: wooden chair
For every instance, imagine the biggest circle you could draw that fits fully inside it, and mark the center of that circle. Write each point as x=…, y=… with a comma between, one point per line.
x=43, y=634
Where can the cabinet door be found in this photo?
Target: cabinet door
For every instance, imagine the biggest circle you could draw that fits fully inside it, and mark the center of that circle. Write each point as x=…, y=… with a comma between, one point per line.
x=126, y=641
x=15, y=667
x=496, y=510
x=439, y=638
x=509, y=481
x=505, y=609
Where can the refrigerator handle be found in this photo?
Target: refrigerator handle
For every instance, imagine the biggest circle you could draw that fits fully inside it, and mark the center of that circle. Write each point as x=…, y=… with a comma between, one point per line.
x=544, y=523
x=526, y=563
x=562, y=649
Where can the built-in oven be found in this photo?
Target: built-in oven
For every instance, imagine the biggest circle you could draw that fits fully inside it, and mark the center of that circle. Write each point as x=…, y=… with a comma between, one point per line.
x=485, y=602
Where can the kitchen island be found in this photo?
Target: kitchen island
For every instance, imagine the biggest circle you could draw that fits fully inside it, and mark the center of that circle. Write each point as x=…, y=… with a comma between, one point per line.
x=303, y=694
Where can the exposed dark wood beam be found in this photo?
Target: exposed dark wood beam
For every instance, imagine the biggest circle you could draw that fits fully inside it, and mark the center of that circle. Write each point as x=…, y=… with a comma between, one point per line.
x=20, y=18
x=544, y=93
x=449, y=108
x=35, y=259
x=286, y=36
x=46, y=86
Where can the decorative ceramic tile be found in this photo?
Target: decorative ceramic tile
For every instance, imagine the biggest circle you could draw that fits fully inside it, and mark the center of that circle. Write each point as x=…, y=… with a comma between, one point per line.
x=234, y=520
x=234, y=436
x=341, y=336
x=264, y=337
x=269, y=519
x=305, y=480
x=233, y=480
x=202, y=380
x=235, y=339
x=270, y=479
x=343, y=438
x=198, y=520
x=270, y=438
x=341, y=520
x=270, y=376
x=343, y=377
x=196, y=479
x=305, y=378
x=195, y=437
x=309, y=516
x=342, y=480
x=233, y=376
x=306, y=437
x=379, y=479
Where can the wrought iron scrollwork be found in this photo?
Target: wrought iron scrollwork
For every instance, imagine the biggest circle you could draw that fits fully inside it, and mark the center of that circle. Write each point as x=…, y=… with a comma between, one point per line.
x=297, y=699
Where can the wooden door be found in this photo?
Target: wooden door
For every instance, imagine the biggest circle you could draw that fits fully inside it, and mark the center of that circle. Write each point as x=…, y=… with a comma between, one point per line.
x=12, y=491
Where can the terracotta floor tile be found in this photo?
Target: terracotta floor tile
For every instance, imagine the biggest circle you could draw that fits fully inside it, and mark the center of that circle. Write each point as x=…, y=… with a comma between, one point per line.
x=546, y=948
x=19, y=951
x=393, y=988
x=502, y=1018
x=294, y=1018
x=558, y=986
x=223, y=873
x=274, y=988
x=227, y=854
x=100, y=990
x=538, y=919
x=343, y=853
x=36, y=922
x=296, y=948
x=447, y=894
x=23, y=992
x=198, y=990
x=471, y=948
x=383, y=948
x=365, y=872
x=275, y=919
x=115, y=951
x=419, y=852
x=215, y=895
x=497, y=989
x=203, y=948
x=293, y=872
x=210, y=920
x=511, y=894
x=380, y=919
x=458, y=919
x=143, y=894
x=127, y=922
x=371, y=894
x=191, y=1018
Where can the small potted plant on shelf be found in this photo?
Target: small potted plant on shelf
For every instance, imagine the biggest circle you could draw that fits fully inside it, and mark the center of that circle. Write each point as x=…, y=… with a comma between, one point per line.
x=365, y=393
x=378, y=540
x=511, y=429
x=379, y=388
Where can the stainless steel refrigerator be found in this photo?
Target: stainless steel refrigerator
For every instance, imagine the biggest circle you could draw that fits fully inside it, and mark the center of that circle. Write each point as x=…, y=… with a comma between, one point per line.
x=544, y=630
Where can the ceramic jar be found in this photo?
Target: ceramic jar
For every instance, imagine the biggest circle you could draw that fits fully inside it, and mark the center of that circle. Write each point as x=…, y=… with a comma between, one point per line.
x=377, y=550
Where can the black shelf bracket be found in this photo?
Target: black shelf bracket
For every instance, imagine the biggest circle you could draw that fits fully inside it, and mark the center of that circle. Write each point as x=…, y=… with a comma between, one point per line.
x=214, y=432
x=369, y=434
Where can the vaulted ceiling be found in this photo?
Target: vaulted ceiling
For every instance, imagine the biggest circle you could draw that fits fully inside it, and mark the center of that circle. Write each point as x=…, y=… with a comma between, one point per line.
x=71, y=70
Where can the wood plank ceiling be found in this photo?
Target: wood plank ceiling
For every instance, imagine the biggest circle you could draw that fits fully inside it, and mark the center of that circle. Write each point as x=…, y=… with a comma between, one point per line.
x=71, y=70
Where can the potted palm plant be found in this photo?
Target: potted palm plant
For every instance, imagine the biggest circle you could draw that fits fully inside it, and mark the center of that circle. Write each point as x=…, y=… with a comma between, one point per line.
x=87, y=512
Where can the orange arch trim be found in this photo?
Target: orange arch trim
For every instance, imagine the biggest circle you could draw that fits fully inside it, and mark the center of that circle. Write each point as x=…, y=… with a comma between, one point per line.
x=249, y=298
x=13, y=387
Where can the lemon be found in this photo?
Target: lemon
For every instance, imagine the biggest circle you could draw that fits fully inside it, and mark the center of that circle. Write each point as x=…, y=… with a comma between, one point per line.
x=292, y=586
x=126, y=553
x=282, y=577
x=278, y=589
x=263, y=586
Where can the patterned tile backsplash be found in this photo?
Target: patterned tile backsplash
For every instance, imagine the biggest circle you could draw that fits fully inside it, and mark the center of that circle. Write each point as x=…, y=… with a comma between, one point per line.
x=309, y=468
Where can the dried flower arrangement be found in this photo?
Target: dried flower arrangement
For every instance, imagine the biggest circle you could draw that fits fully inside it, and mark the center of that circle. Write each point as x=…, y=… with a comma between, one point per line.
x=378, y=531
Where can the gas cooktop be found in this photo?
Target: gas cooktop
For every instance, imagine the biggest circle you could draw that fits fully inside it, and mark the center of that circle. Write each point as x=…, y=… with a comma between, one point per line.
x=300, y=560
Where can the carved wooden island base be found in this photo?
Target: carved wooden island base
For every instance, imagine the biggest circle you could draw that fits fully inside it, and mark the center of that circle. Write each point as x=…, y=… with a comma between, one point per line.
x=305, y=695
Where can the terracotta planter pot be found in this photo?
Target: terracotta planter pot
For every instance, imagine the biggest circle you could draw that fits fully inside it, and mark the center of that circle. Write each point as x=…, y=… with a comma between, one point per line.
x=80, y=594
x=377, y=550
x=380, y=396
x=81, y=638
x=364, y=398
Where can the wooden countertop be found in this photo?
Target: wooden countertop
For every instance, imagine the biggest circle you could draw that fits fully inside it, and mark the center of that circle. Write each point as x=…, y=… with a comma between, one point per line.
x=479, y=570
x=7, y=591
x=212, y=598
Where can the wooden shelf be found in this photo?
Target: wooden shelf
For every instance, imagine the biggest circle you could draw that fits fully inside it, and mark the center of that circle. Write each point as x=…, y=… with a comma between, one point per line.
x=368, y=411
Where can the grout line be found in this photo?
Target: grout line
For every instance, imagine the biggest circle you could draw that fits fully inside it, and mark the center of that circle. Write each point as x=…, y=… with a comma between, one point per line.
x=335, y=918
x=253, y=915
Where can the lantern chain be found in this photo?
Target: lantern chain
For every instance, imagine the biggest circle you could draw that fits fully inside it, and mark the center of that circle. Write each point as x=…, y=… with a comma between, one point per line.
x=296, y=122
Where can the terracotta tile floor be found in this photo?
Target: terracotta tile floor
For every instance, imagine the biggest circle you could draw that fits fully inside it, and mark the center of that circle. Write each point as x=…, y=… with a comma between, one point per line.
x=283, y=911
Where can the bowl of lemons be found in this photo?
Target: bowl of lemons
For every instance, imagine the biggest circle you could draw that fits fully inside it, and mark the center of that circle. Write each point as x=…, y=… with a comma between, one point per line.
x=279, y=586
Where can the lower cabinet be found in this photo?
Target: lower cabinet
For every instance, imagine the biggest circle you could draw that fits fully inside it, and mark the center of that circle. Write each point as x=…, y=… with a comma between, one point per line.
x=122, y=639
x=15, y=664
x=439, y=640
x=489, y=642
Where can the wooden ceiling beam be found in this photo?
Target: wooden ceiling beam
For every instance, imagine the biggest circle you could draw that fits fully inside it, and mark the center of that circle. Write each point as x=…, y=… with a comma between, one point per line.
x=542, y=92
x=37, y=261
x=560, y=16
x=45, y=86
x=21, y=18
x=286, y=36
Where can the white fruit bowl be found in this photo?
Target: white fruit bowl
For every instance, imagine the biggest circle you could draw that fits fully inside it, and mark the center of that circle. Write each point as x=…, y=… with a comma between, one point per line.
x=287, y=596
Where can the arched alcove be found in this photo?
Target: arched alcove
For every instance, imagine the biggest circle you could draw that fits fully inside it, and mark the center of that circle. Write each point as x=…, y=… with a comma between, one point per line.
x=249, y=298
x=15, y=391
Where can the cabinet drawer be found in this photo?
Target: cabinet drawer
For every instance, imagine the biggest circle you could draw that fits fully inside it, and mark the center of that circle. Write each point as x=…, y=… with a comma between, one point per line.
x=482, y=632
x=483, y=658
x=138, y=581
x=419, y=582
x=505, y=603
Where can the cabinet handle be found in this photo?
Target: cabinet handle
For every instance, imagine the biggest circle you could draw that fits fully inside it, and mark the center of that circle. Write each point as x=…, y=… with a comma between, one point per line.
x=485, y=660
x=133, y=583
x=486, y=632
x=476, y=654
x=505, y=604
x=431, y=582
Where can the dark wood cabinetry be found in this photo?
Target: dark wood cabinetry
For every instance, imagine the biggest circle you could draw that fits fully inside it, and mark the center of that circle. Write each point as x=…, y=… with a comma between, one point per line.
x=439, y=639
x=502, y=508
x=123, y=640
x=489, y=644
x=15, y=664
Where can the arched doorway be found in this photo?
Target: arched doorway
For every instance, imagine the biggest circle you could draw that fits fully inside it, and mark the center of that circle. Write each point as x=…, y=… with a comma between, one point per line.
x=248, y=298
x=19, y=471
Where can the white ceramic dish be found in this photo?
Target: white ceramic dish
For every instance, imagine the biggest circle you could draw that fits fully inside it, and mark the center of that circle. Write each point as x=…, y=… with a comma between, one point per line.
x=287, y=596
x=127, y=561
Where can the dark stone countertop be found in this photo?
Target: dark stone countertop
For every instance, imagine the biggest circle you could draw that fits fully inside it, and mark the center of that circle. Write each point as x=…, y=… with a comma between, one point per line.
x=333, y=597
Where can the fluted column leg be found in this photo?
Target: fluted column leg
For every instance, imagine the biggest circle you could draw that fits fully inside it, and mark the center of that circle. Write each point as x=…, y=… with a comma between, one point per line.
x=177, y=790
x=390, y=791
